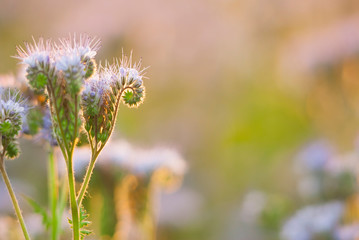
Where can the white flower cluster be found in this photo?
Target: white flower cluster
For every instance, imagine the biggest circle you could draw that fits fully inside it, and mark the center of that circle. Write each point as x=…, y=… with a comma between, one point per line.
x=312, y=220
x=109, y=81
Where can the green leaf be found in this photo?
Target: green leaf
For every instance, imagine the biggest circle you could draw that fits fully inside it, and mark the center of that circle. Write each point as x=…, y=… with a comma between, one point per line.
x=46, y=221
x=84, y=223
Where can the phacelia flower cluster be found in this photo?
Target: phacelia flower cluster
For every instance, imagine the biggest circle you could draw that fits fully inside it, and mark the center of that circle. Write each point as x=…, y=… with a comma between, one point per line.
x=80, y=96
x=39, y=57
x=73, y=57
x=66, y=72
x=59, y=70
x=103, y=93
x=12, y=113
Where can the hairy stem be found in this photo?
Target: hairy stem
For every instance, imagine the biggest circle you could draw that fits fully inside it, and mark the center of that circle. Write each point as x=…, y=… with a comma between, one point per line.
x=87, y=177
x=73, y=203
x=96, y=151
x=13, y=199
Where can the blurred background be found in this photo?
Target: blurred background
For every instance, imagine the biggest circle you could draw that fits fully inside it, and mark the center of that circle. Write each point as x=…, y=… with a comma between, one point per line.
x=244, y=90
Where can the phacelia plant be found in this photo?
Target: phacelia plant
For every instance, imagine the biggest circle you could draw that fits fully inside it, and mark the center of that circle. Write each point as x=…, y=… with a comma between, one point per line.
x=12, y=113
x=80, y=96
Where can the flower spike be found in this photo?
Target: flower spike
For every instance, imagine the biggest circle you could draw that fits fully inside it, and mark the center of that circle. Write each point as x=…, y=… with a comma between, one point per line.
x=103, y=93
x=12, y=113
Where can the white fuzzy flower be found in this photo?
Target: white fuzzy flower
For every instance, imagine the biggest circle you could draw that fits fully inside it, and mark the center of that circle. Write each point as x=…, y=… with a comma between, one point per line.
x=132, y=73
x=129, y=70
x=122, y=71
x=37, y=57
x=67, y=62
x=70, y=65
x=84, y=46
x=11, y=105
x=37, y=53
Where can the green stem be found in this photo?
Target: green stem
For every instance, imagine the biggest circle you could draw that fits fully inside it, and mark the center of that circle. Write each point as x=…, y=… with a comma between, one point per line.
x=87, y=178
x=96, y=151
x=13, y=199
x=73, y=203
x=53, y=194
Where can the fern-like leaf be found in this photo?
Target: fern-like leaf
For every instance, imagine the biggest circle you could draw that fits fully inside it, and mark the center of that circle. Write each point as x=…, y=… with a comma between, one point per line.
x=46, y=220
x=84, y=222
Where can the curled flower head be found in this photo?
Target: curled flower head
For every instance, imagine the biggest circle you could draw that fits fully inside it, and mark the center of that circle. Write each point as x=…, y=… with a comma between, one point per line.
x=103, y=93
x=98, y=108
x=38, y=57
x=59, y=71
x=12, y=113
x=74, y=58
x=130, y=78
